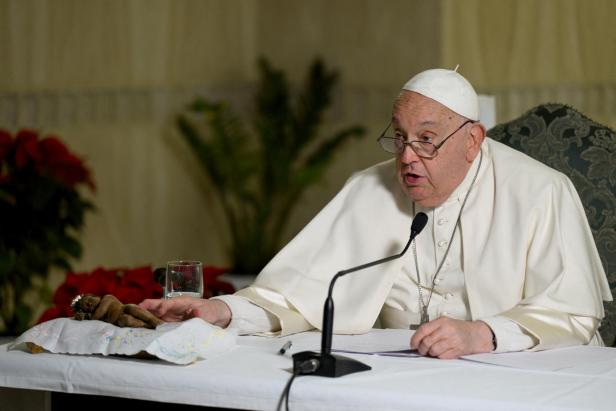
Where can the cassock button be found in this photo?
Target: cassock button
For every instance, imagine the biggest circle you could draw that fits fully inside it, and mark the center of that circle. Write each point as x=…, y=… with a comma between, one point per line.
x=441, y=221
x=442, y=243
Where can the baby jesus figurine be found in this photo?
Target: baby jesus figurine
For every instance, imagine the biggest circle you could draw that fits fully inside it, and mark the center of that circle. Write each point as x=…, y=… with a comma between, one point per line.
x=111, y=310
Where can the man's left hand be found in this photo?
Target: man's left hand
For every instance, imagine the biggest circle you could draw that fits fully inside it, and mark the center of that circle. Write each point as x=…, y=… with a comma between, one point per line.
x=447, y=338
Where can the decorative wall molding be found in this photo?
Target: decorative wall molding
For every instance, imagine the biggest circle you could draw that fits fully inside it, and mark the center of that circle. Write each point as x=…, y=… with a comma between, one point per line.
x=105, y=107
x=364, y=104
x=126, y=106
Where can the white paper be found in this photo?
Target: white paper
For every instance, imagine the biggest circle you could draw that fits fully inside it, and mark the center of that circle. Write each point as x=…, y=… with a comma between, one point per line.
x=179, y=342
x=396, y=342
x=388, y=342
x=549, y=360
x=377, y=341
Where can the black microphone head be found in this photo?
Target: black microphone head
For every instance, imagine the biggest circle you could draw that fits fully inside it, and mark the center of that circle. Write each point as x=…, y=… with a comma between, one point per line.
x=419, y=222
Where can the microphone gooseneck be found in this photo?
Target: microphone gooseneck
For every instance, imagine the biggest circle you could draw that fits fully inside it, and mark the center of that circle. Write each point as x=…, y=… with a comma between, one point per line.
x=329, y=365
x=418, y=224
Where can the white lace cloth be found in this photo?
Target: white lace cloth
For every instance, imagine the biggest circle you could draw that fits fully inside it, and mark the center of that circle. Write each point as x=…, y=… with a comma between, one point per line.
x=179, y=343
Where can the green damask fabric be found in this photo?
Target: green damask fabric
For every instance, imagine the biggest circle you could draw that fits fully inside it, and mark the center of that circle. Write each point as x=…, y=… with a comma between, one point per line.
x=584, y=150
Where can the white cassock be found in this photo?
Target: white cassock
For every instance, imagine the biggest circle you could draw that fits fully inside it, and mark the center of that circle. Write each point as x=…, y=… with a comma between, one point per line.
x=522, y=259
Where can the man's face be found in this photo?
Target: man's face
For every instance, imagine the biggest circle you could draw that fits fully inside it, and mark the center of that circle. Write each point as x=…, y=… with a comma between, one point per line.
x=430, y=181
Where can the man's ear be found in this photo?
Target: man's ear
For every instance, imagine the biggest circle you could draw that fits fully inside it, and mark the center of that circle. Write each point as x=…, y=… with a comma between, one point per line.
x=477, y=134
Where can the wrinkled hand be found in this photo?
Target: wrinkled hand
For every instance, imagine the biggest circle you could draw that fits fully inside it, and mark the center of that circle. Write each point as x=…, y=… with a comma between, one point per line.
x=447, y=338
x=182, y=308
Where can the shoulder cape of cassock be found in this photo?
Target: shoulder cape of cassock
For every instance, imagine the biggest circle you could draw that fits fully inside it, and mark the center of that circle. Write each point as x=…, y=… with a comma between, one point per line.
x=525, y=240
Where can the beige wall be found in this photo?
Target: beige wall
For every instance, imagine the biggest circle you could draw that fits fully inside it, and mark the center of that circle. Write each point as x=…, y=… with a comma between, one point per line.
x=60, y=45
x=373, y=43
x=109, y=75
x=526, y=52
x=376, y=46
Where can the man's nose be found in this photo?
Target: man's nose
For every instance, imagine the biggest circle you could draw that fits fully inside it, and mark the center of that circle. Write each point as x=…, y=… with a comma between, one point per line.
x=408, y=155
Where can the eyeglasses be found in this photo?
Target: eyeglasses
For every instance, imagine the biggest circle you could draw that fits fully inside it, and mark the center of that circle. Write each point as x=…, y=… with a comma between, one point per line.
x=425, y=149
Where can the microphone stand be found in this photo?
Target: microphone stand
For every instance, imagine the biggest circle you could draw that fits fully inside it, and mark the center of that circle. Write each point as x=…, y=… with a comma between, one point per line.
x=325, y=363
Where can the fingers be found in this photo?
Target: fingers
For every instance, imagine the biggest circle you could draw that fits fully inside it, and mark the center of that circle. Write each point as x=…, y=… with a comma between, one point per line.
x=434, y=344
x=181, y=308
x=423, y=331
x=157, y=307
x=150, y=304
x=450, y=354
x=175, y=309
x=442, y=338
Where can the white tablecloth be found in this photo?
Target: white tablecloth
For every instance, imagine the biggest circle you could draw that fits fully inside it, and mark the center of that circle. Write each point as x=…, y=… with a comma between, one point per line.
x=254, y=374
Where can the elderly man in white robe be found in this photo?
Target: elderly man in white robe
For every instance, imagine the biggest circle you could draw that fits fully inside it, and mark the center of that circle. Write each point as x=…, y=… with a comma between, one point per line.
x=506, y=262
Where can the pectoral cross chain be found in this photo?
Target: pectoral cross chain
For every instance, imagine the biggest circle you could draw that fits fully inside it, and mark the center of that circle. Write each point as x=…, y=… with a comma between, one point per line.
x=424, y=318
x=424, y=315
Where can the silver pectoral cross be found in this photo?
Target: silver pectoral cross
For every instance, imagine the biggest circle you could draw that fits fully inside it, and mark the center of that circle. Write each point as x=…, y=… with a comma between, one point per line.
x=424, y=319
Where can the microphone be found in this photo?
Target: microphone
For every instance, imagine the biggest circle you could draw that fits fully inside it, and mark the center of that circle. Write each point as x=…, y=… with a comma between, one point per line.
x=324, y=363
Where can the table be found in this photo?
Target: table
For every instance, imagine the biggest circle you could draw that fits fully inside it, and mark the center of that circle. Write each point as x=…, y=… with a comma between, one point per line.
x=254, y=374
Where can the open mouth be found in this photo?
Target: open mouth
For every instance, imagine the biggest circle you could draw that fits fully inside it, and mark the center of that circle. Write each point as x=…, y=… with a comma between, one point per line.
x=412, y=178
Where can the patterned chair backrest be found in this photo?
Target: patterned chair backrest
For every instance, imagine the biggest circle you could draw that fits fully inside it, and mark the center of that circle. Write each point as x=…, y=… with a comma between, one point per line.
x=584, y=150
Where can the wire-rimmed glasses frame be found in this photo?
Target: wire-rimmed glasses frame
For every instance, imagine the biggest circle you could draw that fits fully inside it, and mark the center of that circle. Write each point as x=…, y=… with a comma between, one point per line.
x=425, y=149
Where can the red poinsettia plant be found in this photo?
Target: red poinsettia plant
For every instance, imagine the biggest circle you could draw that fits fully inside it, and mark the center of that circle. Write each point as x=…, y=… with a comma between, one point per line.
x=42, y=209
x=130, y=286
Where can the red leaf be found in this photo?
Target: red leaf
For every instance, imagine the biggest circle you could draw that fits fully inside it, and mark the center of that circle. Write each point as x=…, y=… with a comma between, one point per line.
x=6, y=142
x=64, y=294
x=26, y=148
x=210, y=271
x=53, y=150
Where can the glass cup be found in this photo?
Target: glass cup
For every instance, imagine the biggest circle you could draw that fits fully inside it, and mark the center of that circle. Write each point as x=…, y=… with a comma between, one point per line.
x=184, y=278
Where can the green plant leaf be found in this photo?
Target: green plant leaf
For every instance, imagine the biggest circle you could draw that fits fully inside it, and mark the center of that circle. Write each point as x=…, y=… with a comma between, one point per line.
x=320, y=158
x=70, y=245
x=259, y=176
x=62, y=263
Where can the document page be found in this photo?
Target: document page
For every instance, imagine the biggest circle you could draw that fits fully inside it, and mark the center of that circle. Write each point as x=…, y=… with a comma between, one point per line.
x=549, y=360
x=378, y=341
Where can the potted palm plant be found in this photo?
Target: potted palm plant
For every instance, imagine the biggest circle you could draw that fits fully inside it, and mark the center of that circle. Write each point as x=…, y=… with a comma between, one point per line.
x=259, y=172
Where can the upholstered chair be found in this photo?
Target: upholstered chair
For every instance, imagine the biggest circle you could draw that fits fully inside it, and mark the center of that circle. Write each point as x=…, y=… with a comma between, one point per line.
x=584, y=150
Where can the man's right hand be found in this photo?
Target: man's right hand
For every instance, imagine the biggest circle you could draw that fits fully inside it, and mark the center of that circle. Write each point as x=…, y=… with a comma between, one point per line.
x=182, y=308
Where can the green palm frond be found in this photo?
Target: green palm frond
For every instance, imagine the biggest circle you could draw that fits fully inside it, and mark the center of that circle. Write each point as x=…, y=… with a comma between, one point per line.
x=260, y=175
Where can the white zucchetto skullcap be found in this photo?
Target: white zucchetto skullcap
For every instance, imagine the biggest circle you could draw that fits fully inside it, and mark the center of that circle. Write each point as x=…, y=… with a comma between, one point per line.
x=449, y=88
